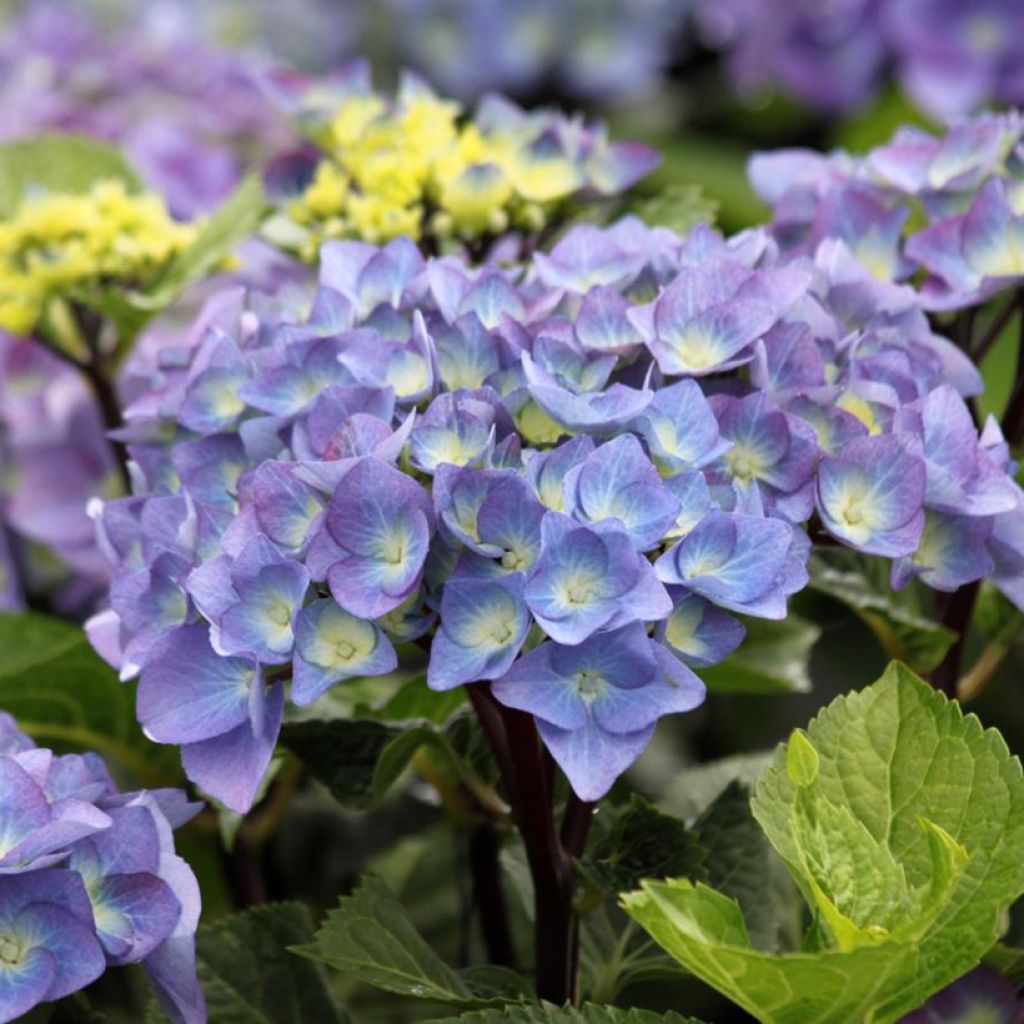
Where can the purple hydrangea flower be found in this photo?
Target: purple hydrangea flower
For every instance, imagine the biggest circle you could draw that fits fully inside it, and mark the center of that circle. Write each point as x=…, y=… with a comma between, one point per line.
x=89, y=878
x=596, y=703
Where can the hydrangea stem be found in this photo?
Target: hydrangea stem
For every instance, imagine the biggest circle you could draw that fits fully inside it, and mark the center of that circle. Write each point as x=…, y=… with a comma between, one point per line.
x=521, y=760
x=90, y=324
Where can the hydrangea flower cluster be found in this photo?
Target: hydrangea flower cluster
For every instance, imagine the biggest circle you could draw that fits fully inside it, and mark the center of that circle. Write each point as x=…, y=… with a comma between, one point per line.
x=56, y=243
x=948, y=209
x=415, y=166
x=191, y=117
x=567, y=478
x=950, y=56
x=89, y=879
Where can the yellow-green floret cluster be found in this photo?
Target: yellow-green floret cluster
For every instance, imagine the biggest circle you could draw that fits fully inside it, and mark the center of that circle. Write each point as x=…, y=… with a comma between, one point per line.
x=57, y=245
x=418, y=166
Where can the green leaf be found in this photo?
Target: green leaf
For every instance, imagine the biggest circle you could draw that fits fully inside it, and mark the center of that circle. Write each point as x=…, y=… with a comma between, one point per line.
x=906, y=841
x=678, y=206
x=741, y=864
x=546, y=1013
x=773, y=658
x=370, y=938
x=801, y=760
x=642, y=843
x=64, y=694
x=58, y=163
x=903, y=632
x=250, y=977
x=236, y=220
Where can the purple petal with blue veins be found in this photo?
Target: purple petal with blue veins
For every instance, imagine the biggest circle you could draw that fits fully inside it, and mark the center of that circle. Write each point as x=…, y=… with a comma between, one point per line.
x=591, y=758
x=134, y=914
x=210, y=467
x=603, y=412
x=230, y=767
x=787, y=357
x=602, y=324
x=331, y=645
x=951, y=551
x=467, y=355
x=286, y=509
x=483, y=625
x=619, y=482
x=172, y=973
x=27, y=983
x=370, y=585
x=736, y=561
x=680, y=428
x=699, y=633
x=585, y=257
x=871, y=495
x=259, y=624
x=714, y=339
x=188, y=692
x=545, y=470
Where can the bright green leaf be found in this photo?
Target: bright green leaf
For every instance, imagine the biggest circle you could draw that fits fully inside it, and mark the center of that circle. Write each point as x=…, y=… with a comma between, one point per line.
x=58, y=163
x=236, y=220
x=906, y=840
x=801, y=760
x=64, y=694
x=679, y=207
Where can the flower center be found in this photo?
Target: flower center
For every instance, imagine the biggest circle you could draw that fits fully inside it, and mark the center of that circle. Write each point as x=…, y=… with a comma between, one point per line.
x=344, y=650
x=501, y=634
x=513, y=560
x=589, y=685
x=10, y=950
x=279, y=613
x=854, y=513
x=741, y=465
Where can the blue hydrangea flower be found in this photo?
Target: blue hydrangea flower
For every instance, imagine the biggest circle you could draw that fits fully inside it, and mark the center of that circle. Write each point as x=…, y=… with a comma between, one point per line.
x=871, y=495
x=484, y=623
x=596, y=703
x=379, y=523
x=90, y=878
x=331, y=645
x=697, y=632
x=617, y=481
x=740, y=562
x=589, y=578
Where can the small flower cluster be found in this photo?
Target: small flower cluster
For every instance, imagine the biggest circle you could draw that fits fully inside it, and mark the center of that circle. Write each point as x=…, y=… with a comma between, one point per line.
x=190, y=117
x=416, y=167
x=89, y=879
x=56, y=243
x=566, y=478
x=950, y=56
x=948, y=208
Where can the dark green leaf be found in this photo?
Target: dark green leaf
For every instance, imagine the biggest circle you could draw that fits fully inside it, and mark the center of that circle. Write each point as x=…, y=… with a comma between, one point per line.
x=370, y=938
x=64, y=694
x=904, y=633
x=741, y=863
x=773, y=658
x=58, y=163
x=250, y=977
x=697, y=786
x=545, y=1013
x=643, y=843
